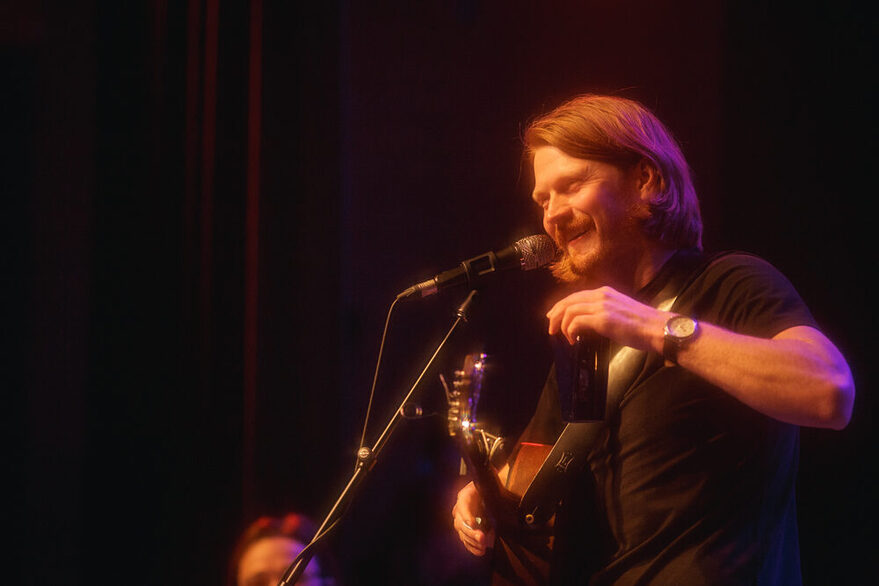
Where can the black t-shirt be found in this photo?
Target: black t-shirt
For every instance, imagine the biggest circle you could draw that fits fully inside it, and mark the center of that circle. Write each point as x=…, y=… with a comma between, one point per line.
x=691, y=486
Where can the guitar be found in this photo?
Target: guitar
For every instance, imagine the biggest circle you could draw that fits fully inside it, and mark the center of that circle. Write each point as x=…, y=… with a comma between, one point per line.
x=522, y=549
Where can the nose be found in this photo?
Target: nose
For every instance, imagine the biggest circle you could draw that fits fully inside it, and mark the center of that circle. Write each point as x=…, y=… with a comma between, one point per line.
x=557, y=208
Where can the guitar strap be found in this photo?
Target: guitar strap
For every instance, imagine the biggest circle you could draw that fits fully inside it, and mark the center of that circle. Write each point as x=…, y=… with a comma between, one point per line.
x=576, y=441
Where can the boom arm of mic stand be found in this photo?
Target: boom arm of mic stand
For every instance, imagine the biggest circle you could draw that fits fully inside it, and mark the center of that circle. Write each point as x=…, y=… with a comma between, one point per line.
x=366, y=458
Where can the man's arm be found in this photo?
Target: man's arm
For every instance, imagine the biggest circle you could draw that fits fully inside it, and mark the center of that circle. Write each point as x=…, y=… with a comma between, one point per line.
x=798, y=376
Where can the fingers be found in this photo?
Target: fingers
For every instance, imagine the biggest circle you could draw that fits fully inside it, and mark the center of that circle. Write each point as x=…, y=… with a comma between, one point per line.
x=475, y=540
x=576, y=319
x=576, y=313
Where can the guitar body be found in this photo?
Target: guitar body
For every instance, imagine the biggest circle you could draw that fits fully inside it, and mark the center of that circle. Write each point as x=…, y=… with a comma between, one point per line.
x=525, y=461
x=521, y=553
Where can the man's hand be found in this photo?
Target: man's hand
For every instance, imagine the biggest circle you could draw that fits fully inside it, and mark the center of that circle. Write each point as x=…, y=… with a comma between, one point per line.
x=611, y=314
x=468, y=522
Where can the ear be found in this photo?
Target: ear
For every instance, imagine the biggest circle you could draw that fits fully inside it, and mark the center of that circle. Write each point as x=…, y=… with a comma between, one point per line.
x=648, y=180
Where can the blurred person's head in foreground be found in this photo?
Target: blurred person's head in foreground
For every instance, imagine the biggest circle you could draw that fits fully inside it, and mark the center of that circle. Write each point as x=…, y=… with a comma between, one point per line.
x=267, y=548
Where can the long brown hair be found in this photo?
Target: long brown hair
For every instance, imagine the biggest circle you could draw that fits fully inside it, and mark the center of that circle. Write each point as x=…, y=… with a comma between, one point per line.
x=623, y=132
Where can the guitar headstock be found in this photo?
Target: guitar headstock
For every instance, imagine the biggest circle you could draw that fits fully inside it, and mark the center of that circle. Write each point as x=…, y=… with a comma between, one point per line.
x=481, y=451
x=464, y=395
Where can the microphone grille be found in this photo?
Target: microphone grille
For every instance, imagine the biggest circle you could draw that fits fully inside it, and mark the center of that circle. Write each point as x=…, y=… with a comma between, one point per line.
x=535, y=251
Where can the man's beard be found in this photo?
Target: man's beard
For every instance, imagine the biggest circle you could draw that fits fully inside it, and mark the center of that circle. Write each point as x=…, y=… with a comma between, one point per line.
x=568, y=270
x=577, y=267
x=594, y=267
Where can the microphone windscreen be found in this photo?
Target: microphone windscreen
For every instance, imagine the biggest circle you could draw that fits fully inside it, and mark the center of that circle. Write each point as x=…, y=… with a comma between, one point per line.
x=536, y=251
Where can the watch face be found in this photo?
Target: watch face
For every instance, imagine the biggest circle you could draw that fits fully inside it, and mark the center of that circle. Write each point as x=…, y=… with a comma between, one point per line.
x=681, y=326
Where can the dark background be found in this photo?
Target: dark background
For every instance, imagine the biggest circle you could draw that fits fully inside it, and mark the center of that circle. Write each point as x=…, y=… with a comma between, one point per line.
x=208, y=207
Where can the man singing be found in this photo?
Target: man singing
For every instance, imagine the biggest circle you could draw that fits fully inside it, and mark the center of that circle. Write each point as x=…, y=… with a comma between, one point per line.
x=691, y=480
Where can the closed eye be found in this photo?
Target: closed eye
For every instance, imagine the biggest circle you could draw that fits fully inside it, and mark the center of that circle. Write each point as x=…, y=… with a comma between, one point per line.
x=572, y=186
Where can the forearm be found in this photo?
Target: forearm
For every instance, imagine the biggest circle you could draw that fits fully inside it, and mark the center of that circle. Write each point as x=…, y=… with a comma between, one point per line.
x=798, y=376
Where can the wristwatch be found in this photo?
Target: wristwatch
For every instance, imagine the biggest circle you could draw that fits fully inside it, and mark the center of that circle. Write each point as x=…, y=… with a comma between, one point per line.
x=680, y=331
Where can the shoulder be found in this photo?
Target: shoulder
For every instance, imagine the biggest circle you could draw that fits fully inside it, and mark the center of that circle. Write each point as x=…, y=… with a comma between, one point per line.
x=743, y=271
x=739, y=263
x=746, y=293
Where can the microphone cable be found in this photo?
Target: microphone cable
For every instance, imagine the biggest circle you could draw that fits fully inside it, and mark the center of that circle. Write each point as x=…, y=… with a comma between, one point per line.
x=378, y=362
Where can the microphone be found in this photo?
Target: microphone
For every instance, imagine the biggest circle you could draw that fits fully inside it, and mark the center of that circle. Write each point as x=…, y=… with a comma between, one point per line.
x=528, y=253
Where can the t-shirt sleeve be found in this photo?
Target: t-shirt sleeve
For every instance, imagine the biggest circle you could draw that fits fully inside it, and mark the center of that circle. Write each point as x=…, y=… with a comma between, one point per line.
x=746, y=294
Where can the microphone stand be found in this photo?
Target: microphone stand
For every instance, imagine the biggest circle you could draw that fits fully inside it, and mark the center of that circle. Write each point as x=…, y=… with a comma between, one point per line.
x=366, y=459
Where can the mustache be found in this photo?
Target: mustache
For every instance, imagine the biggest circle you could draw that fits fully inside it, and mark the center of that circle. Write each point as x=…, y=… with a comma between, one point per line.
x=563, y=235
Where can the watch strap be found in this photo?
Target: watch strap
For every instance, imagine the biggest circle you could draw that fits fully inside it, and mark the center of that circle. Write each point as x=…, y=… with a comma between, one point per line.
x=670, y=348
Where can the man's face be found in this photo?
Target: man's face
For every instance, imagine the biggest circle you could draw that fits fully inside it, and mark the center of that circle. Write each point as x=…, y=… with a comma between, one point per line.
x=592, y=210
x=266, y=560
